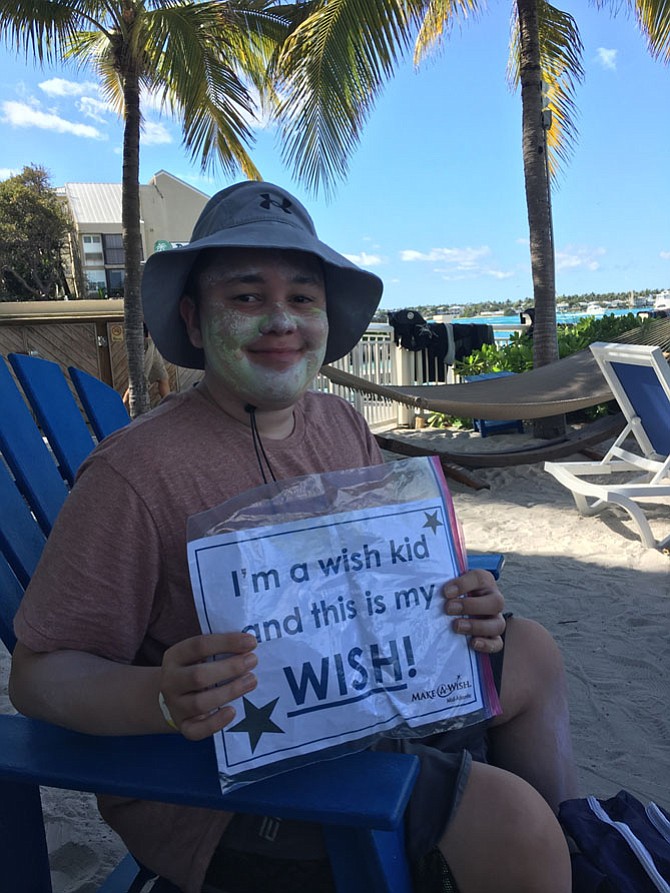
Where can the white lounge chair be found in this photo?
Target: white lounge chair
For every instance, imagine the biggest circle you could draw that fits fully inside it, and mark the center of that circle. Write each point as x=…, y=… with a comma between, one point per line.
x=639, y=378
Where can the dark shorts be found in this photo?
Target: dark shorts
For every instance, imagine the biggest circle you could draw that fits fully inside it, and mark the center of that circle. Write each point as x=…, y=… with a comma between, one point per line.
x=290, y=857
x=238, y=872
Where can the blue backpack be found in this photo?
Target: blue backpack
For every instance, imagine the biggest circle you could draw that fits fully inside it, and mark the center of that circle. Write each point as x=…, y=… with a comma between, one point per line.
x=622, y=846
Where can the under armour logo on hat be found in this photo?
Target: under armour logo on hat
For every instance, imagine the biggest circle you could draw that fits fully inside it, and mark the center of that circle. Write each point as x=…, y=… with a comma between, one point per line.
x=284, y=204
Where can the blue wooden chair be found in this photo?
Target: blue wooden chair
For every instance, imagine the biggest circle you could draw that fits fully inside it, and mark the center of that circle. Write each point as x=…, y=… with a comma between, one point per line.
x=359, y=799
x=494, y=426
x=57, y=413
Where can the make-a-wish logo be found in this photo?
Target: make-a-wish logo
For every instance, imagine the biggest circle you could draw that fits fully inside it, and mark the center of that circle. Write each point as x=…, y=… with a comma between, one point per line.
x=449, y=690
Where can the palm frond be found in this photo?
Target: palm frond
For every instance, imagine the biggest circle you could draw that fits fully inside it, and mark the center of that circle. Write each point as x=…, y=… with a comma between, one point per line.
x=440, y=18
x=653, y=19
x=219, y=135
x=330, y=71
x=561, y=63
x=198, y=63
x=38, y=28
x=253, y=35
x=92, y=50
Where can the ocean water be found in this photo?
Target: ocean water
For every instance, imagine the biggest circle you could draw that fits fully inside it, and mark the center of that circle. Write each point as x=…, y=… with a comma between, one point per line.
x=503, y=334
x=560, y=317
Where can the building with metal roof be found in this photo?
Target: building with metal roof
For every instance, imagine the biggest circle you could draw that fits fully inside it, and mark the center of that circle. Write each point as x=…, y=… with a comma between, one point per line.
x=169, y=208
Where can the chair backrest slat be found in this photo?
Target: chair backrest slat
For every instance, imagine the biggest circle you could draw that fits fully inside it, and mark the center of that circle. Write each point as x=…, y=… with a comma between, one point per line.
x=103, y=406
x=27, y=455
x=11, y=593
x=21, y=540
x=56, y=409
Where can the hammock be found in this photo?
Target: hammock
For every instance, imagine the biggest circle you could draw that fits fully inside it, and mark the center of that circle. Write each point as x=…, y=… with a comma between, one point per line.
x=564, y=386
x=578, y=441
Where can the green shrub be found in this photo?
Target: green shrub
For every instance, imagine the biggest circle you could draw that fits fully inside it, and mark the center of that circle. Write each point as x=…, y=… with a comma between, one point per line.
x=517, y=356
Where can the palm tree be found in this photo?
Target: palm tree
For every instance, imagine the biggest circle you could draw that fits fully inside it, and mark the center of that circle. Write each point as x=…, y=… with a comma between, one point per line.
x=200, y=58
x=546, y=79
x=337, y=58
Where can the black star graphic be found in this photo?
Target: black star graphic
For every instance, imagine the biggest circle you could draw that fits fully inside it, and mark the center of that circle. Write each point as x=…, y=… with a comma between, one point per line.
x=257, y=721
x=432, y=521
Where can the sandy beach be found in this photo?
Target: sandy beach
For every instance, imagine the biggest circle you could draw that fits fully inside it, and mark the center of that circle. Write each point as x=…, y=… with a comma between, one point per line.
x=604, y=597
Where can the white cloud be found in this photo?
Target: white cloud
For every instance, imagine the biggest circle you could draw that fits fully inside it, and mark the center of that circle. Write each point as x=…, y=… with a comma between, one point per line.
x=664, y=255
x=576, y=258
x=455, y=264
x=94, y=108
x=365, y=260
x=7, y=172
x=607, y=58
x=151, y=100
x=154, y=134
x=373, y=243
x=61, y=87
x=498, y=274
x=461, y=258
x=19, y=114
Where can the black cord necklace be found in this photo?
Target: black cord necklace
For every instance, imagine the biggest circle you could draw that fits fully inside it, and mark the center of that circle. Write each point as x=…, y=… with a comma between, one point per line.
x=259, y=449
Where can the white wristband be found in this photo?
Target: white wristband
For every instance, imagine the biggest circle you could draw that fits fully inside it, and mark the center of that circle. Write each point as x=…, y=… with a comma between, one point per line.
x=165, y=710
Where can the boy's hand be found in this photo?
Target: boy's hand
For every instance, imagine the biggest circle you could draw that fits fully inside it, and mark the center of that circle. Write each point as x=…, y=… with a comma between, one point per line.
x=198, y=691
x=474, y=598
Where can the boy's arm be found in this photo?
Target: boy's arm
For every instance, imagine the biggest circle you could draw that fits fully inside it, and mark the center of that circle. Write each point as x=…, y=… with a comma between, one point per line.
x=92, y=694
x=85, y=692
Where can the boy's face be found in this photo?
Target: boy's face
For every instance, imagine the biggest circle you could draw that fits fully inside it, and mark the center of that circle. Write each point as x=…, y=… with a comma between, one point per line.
x=261, y=321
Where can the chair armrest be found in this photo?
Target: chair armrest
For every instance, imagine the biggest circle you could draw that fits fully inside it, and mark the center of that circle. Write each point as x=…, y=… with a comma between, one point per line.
x=488, y=561
x=363, y=790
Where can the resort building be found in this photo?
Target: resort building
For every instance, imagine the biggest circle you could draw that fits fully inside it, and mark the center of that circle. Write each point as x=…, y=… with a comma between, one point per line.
x=94, y=265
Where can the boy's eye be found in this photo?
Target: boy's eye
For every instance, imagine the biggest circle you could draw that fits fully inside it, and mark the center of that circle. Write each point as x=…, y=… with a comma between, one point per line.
x=316, y=297
x=244, y=298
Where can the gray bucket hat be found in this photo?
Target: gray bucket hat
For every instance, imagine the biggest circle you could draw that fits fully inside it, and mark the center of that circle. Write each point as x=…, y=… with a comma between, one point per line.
x=252, y=214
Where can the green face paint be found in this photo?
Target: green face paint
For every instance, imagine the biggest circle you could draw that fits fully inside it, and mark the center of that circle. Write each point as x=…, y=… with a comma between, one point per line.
x=264, y=328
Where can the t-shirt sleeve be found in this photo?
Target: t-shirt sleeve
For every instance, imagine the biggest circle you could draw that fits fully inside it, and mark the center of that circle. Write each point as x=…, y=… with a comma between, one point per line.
x=94, y=587
x=374, y=451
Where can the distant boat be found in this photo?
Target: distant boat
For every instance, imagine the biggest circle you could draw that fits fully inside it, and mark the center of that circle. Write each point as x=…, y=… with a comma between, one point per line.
x=594, y=309
x=662, y=301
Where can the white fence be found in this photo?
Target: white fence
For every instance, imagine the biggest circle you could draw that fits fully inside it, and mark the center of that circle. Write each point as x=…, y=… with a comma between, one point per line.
x=373, y=358
x=377, y=359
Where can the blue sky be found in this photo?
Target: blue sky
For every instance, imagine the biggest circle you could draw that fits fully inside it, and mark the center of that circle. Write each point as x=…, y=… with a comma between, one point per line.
x=434, y=202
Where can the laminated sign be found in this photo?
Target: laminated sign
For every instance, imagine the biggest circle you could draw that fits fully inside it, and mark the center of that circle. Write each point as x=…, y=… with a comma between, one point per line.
x=339, y=577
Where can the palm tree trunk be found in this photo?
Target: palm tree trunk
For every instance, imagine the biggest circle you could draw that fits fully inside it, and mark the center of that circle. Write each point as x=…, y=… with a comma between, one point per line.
x=538, y=201
x=132, y=245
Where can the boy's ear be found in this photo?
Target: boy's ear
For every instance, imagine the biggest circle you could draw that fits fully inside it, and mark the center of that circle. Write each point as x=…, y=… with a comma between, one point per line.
x=191, y=316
